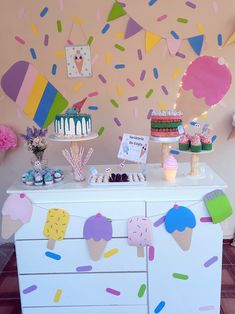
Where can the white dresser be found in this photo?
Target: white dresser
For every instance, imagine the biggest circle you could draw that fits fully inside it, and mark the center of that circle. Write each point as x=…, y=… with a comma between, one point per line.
x=176, y=281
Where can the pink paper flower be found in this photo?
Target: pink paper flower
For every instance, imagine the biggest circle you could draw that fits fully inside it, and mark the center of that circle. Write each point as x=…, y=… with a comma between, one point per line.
x=8, y=138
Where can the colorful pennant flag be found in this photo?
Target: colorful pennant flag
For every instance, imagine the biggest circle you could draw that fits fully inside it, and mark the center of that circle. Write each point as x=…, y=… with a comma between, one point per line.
x=173, y=45
x=230, y=40
x=151, y=40
x=116, y=12
x=132, y=28
x=196, y=43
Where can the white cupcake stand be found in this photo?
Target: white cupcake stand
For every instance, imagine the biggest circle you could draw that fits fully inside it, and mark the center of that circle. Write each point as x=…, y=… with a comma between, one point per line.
x=165, y=141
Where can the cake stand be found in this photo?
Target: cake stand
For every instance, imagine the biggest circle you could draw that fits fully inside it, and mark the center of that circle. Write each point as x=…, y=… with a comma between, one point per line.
x=194, y=162
x=76, y=152
x=165, y=141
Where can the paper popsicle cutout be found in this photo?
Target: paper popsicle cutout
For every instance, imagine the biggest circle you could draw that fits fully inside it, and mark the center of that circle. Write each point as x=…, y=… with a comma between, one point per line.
x=204, y=84
x=16, y=211
x=139, y=233
x=55, y=226
x=97, y=231
x=33, y=93
x=218, y=206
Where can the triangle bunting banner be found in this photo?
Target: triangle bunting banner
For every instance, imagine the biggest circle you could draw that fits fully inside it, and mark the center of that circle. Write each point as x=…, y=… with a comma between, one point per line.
x=173, y=45
x=151, y=40
x=116, y=12
x=132, y=28
x=196, y=43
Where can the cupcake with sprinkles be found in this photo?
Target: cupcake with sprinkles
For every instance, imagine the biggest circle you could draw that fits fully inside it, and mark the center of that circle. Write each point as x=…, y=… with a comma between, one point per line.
x=196, y=145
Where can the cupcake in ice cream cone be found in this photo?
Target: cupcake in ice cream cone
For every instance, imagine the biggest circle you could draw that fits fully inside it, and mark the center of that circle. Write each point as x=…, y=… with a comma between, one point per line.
x=170, y=167
x=97, y=231
x=180, y=222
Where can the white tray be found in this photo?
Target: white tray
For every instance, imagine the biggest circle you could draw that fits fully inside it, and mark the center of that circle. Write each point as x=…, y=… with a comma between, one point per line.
x=116, y=183
x=61, y=138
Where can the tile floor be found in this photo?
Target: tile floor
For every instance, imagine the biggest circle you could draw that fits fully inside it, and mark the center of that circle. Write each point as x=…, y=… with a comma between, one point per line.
x=9, y=290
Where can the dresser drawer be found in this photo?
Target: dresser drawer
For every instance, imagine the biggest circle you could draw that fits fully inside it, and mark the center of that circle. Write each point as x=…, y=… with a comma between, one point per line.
x=137, y=309
x=70, y=254
x=118, y=212
x=82, y=289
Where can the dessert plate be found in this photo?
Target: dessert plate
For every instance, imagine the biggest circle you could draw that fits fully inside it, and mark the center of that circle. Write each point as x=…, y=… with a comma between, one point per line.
x=101, y=179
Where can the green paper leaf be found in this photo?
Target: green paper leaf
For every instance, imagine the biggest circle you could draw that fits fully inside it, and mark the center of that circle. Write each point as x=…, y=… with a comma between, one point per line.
x=116, y=12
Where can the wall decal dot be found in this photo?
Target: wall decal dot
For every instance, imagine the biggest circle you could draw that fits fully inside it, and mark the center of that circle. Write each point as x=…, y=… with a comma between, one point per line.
x=142, y=75
x=175, y=35
x=77, y=87
x=90, y=40
x=114, y=103
x=180, y=55
x=19, y=40
x=46, y=40
x=35, y=30
x=164, y=89
x=108, y=58
x=119, y=66
x=182, y=20
x=105, y=28
x=101, y=131
x=54, y=69
x=44, y=12
x=119, y=47
x=33, y=53
x=93, y=108
x=130, y=82
x=59, y=53
x=117, y=121
x=191, y=4
x=155, y=73
x=132, y=98
x=139, y=54
x=162, y=17
x=119, y=35
x=59, y=26
x=149, y=93
x=102, y=78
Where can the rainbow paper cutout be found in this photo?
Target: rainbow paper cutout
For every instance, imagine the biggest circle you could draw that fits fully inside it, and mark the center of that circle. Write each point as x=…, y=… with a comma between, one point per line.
x=33, y=93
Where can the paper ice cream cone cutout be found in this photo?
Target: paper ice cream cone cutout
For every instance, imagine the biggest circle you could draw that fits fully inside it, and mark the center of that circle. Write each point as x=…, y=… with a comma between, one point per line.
x=184, y=238
x=204, y=84
x=55, y=226
x=139, y=233
x=180, y=222
x=96, y=248
x=78, y=59
x=97, y=231
x=16, y=211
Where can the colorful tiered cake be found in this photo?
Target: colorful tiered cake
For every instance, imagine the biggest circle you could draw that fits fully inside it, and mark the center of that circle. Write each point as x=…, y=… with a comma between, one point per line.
x=166, y=123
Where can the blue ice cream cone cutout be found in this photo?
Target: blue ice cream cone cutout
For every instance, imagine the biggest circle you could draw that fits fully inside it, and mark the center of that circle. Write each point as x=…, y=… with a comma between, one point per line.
x=180, y=222
x=218, y=206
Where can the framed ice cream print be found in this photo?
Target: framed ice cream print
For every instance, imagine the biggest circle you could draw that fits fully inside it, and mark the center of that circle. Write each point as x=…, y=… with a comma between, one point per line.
x=78, y=60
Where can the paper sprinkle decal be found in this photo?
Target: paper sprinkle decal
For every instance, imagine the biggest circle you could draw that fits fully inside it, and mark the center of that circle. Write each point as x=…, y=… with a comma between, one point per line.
x=54, y=69
x=132, y=98
x=206, y=308
x=114, y=103
x=159, y=307
x=20, y=40
x=117, y=121
x=206, y=219
x=175, y=35
x=155, y=73
x=57, y=295
x=44, y=12
x=52, y=255
x=180, y=55
x=180, y=276
x=101, y=131
x=159, y=222
x=182, y=20
x=113, y=291
x=152, y=2
x=151, y=253
x=59, y=26
x=191, y=4
x=110, y=253
x=139, y=54
x=130, y=82
x=142, y=290
x=33, y=53
x=149, y=114
x=119, y=90
x=119, y=47
x=142, y=75
x=90, y=40
x=164, y=89
x=84, y=268
x=102, y=78
x=162, y=17
x=211, y=261
x=219, y=40
x=30, y=289
x=46, y=40
x=105, y=28
x=93, y=108
x=149, y=93
x=119, y=66
x=35, y=30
